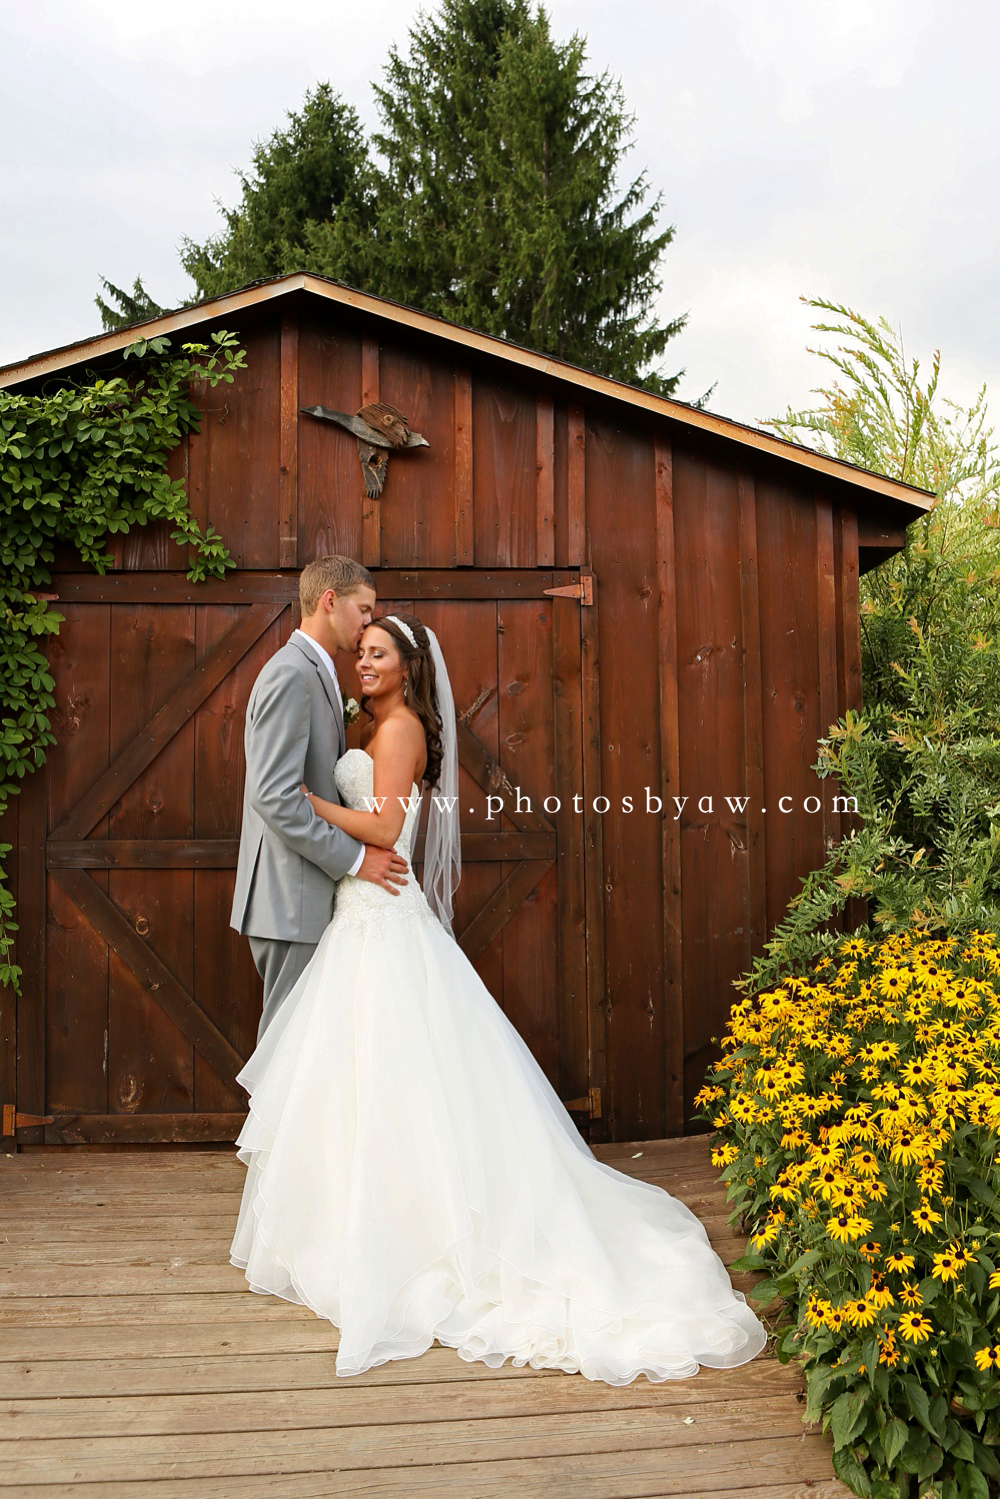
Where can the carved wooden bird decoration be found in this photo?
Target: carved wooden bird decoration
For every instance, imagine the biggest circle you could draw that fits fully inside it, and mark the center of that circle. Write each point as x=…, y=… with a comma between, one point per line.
x=379, y=428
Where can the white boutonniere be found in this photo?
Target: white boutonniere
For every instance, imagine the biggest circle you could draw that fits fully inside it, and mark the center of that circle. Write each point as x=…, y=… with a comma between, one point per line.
x=351, y=711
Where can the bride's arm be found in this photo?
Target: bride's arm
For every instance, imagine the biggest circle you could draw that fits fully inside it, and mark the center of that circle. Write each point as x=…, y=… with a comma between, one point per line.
x=398, y=751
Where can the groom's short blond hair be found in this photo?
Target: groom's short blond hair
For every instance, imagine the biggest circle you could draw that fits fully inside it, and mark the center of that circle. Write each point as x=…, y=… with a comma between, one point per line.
x=342, y=574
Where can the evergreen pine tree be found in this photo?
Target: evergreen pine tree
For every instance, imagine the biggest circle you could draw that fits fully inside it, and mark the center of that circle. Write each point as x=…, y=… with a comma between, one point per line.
x=496, y=199
x=131, y=307
x=314, y=171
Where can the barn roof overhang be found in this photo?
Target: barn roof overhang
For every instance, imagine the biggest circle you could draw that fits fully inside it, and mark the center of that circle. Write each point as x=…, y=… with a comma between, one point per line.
x=891, y=505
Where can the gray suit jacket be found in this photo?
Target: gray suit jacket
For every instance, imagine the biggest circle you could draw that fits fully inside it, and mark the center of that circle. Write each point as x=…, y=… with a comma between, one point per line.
x=289, y=858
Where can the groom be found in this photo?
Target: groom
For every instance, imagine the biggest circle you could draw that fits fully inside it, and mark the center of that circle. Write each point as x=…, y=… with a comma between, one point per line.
x=289, y=858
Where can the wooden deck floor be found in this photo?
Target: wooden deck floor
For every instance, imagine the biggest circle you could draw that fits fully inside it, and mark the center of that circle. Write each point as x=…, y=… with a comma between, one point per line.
x=134, y=1362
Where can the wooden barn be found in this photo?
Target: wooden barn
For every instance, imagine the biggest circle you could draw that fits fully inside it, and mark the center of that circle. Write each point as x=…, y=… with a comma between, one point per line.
x=638, y=601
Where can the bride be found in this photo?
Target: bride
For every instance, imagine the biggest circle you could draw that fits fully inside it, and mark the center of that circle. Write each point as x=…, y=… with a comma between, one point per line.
x=411, y=1174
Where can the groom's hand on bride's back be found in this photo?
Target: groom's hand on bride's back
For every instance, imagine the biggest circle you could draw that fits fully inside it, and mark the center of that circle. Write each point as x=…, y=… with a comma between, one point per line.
x=383, y=866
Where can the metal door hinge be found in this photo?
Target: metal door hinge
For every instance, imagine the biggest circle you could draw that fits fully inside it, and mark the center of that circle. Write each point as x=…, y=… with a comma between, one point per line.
x=590, y=1105
x=582, y=591
x=13, y=1121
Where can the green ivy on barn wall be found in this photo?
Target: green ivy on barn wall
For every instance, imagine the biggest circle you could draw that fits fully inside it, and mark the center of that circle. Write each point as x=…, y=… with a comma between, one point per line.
x=77, y=465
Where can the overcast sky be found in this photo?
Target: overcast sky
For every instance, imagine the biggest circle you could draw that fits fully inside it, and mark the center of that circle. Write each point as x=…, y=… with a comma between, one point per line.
x=840, y=149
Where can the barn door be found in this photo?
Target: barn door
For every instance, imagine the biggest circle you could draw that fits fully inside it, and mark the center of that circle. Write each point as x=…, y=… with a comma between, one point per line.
x=140, y=1004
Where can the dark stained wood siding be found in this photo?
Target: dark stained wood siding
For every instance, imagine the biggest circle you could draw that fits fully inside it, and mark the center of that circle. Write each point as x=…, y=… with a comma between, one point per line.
x=722, y=642
x=790, y=647
x=710, y=675
x=620, y=483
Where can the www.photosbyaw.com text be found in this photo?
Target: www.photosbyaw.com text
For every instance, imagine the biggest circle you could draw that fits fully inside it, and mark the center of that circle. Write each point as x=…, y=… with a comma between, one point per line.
x=649, y=803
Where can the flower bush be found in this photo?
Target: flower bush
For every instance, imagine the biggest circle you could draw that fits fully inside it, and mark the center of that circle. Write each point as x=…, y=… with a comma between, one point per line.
x=858, y=1114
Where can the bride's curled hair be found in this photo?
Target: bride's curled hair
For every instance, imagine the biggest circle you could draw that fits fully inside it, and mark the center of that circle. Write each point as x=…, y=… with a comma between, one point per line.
x=421, y=684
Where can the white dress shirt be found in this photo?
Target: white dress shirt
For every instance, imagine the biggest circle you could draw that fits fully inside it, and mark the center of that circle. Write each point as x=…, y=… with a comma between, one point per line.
x=327, y=660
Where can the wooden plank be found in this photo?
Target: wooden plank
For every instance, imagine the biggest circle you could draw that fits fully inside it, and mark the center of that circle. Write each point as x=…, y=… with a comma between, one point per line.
x=143, y=853
x=848, y=612
x=714, y=826
x=649, y=1475
x=175, y=588
x=330, y=484
x=221, y=853
x=464, y=514
x=753, y=724
x=231, y=1370
x=225, y=983
x=501, y=906
x=31, y=917
x=171, y=1320
x=243, y=432
x=8, y=999
x=849, y=685
x=504, y=474
x=621, y=484
x=355, y=1411
x=169, y=993
x=591, y=1478
x=593, y=864
x=270, y=587
x=545, y=499
x=366, y=1449
x=288, y=443
x=119, y=1280
x=571, y=948
x=787, y=533
x=151, y=545
x=670, y=780
x=198, y=442
x=418, y=504
x=162, y=727
x=524, y=724
x=827, y=644
x=576, y=502
x=150, y=1063
x=371, y=508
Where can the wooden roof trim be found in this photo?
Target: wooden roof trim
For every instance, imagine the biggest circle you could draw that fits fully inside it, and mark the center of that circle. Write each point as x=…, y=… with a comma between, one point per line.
x=494, y=348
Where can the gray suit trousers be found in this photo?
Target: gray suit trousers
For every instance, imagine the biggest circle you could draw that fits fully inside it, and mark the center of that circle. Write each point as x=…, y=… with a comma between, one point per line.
x=280, y=965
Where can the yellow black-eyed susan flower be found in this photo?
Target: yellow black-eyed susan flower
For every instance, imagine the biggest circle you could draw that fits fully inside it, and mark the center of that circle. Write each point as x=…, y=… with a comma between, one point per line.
x=846, y=1227
x=947, y=1267
x=915, y=1327
x=860, y=1313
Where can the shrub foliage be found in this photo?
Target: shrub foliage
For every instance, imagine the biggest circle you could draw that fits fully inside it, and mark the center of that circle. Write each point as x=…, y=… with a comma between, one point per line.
x=859, y=1120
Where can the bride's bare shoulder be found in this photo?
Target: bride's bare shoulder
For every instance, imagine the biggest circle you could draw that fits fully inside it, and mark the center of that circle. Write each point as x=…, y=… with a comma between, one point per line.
x=401, y=739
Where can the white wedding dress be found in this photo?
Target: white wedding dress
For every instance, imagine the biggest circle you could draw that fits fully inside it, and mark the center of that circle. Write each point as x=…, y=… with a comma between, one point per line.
x=413, y=1177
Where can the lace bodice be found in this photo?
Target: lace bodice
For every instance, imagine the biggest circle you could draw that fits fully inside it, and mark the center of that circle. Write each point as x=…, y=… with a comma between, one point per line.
x=359, y=899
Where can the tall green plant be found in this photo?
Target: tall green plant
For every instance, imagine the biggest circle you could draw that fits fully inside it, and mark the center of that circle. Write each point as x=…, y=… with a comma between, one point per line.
x=79, y=464
x=923, y=758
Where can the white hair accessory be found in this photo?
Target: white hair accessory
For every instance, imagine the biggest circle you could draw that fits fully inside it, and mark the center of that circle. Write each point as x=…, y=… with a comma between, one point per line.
x=404, y=627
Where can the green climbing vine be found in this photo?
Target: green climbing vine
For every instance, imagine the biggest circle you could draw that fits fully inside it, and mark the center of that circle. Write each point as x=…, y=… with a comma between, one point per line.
x=79, y=464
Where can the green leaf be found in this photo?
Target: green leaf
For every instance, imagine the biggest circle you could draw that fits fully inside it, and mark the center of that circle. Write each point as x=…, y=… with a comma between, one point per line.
x=850, y=1471
x=848, y=1416
x=894, y=1435
x=973, y=1484
x=918, y=1403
